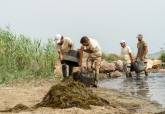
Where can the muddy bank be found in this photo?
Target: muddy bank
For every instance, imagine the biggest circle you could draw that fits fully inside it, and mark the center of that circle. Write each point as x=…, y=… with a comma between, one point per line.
x=32, y=93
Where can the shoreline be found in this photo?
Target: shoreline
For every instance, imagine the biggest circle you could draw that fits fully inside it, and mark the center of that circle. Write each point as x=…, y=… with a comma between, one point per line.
x=30, y=93
x=157, y=70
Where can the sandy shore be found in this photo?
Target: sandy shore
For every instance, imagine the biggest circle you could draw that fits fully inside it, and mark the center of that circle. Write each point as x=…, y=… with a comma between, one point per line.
x=30, y=93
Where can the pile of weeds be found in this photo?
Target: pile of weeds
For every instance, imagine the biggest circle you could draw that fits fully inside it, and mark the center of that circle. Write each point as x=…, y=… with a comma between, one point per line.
x=17, y=108
x=69, y=94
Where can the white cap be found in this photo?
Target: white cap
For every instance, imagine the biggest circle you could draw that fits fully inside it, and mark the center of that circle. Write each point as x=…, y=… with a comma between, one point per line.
x=122, y=41
x=58, y=38
x=140, y=36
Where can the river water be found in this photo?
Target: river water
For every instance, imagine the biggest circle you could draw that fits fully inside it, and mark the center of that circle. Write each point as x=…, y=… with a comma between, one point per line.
x=151, y=87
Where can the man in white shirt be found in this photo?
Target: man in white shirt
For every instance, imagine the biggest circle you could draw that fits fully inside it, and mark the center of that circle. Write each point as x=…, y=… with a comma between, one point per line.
x=126, y=54
x=92, y=47
x=64, y=45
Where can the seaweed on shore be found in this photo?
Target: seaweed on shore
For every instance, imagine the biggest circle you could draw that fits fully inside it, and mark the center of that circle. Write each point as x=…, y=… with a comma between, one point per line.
x=67, y=94
x=70, y=93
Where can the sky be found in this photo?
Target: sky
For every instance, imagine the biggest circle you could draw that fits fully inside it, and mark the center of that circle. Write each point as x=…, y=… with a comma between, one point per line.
x=108, y=21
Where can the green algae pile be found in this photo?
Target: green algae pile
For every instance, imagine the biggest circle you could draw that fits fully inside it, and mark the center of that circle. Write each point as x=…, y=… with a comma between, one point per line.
x=17, y=108
x=66, y=94
x=70, y=93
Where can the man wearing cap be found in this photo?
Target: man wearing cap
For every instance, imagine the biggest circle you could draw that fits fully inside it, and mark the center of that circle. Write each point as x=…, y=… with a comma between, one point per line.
x=64, y=45
x=92, y=47
x=142, y=50
x=126, y=54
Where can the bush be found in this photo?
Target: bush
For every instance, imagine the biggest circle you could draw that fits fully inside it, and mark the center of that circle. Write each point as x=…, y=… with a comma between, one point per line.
x=23, y=58
x=162, y=57
x=111, y=57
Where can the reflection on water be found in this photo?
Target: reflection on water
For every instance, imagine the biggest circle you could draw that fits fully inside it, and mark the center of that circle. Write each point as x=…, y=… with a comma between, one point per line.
x=136, y=87
x=151, y=87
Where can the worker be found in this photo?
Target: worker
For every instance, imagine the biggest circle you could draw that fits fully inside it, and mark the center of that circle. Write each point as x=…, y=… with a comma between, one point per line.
x=142, y=51
x=92, y=47
x=127, y=57
x=64, y=45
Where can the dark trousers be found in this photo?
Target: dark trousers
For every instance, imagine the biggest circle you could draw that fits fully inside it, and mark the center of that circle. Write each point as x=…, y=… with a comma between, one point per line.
x=67, y=70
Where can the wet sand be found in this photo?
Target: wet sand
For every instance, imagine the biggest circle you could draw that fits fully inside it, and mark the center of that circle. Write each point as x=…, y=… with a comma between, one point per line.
x=30, y=93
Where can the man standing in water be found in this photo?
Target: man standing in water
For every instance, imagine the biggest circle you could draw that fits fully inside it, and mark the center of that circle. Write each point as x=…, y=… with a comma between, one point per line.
x=92, y=47
x=126, y=54
x=64, y=45
x=142, y=51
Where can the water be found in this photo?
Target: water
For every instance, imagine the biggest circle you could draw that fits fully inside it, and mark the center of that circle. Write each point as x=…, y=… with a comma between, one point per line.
x=151, y=87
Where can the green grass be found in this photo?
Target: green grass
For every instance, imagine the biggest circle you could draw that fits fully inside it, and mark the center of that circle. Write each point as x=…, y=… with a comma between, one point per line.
x=23, y=58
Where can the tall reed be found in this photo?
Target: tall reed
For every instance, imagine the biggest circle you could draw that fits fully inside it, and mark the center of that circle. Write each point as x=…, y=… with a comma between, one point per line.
x=23, y=58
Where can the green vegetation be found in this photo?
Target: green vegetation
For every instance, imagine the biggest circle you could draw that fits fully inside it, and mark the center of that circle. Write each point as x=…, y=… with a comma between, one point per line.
x=162, y=57
x=23, y=58
x=67, y=94
x=70, y=93
x=111, y=57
